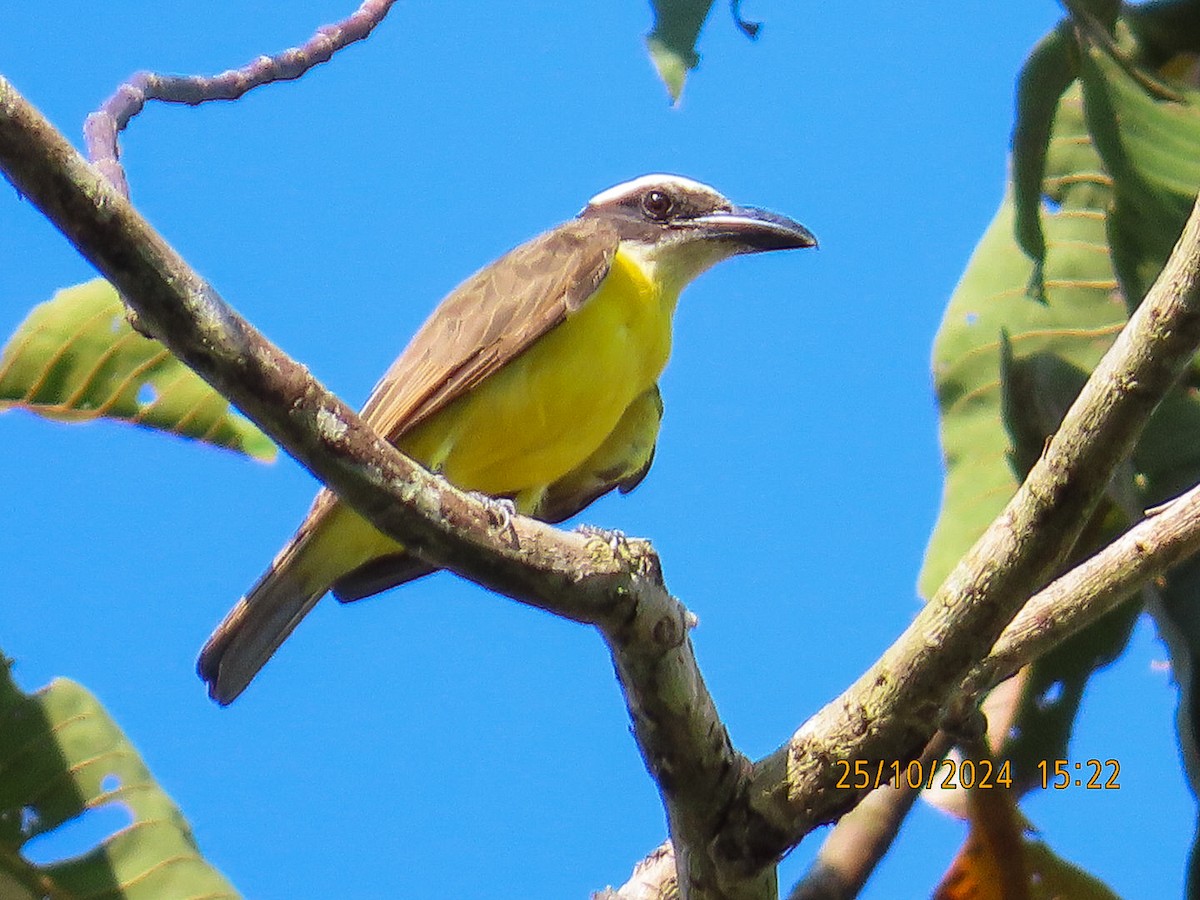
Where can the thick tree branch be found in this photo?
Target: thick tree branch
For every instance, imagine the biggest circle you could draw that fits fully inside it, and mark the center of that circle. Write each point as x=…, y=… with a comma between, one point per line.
x=893, y=709
x=729, y=824
x=614, y=584
x=653, y=878
x=1168, y=535
x=864, y=835
x=101, y=128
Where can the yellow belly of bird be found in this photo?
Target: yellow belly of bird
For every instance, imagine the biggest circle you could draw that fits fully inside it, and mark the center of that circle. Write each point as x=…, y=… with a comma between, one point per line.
x=537, y=419
x=544, y=413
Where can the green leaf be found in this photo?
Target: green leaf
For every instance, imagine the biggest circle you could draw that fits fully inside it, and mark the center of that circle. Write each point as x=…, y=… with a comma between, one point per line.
x=1148, y=144
x=1007, y=365
x=1148, y=131
x=61, y=757
x=1103, y=12
x=1045, y=77
x=991, y=309
x=1163, y=31
x=672, y=42
x=75, y=359
x=1103, y=182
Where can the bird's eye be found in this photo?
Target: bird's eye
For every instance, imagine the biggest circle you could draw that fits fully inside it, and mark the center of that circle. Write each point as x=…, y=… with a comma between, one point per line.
x=657, y=205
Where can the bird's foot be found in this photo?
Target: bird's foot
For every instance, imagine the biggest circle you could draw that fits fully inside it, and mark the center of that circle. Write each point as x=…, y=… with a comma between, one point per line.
x=612, y=538
x=500, y=512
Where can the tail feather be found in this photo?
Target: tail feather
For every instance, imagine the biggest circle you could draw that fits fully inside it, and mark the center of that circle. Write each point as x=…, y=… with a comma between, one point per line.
x=332, y=541
x=380, y=574
x=253, y=630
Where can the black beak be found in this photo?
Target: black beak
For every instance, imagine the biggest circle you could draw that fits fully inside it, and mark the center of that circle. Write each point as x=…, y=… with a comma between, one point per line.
x=755, y=230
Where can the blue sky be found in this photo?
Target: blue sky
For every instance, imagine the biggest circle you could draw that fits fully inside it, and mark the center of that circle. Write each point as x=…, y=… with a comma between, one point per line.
x=439, y=741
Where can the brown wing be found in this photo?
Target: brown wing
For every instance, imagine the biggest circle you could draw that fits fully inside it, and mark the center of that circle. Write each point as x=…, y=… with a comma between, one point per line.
x=489, y=319
x=481, y=325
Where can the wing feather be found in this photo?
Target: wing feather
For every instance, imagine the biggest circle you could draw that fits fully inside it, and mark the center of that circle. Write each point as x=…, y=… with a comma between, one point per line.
x=490, y=319
x=480, y=326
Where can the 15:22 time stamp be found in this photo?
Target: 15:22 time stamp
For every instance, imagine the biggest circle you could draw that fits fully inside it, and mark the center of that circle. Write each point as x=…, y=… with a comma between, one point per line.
x=1061, y=774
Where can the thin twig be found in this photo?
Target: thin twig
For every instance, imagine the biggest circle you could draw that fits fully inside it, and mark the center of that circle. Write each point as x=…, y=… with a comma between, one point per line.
x=653, y=878
x=101, y=128
x=1166, y=537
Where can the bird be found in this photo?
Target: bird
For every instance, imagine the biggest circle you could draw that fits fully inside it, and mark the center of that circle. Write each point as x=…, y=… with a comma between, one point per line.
x=534, y=382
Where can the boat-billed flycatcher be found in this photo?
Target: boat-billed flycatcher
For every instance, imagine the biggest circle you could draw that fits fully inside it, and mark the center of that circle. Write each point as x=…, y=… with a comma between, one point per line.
x=535, y=380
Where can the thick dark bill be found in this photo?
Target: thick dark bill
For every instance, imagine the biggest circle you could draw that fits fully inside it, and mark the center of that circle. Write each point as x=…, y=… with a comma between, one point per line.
x=757, y=229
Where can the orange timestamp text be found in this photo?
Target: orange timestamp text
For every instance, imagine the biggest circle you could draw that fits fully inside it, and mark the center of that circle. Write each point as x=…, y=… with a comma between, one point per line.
x=946, y=773
x=1060, y=774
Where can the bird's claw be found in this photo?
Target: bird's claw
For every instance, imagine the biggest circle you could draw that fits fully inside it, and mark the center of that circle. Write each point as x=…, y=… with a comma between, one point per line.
x=500, y=511
x=614, y=539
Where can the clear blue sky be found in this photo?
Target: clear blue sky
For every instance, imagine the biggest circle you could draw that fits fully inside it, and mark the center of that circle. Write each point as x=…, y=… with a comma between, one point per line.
x=439, y=741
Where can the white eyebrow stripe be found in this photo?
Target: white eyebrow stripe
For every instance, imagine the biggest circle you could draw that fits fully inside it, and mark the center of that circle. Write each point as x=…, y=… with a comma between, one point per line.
x=629, y=188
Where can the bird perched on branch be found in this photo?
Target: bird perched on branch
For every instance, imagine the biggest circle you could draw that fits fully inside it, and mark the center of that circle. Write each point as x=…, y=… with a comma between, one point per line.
x=534, y=381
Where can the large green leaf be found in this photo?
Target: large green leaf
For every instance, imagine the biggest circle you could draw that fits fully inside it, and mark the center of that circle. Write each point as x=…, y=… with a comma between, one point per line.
x=1105, y=174
x=991, y=314
x=63, y=757
x=1010, y=356
x=1148, y=144
x=76, y=359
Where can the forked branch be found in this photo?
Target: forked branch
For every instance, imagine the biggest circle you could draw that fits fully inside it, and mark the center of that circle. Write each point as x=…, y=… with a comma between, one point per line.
x=609, y=582
x=729, y=822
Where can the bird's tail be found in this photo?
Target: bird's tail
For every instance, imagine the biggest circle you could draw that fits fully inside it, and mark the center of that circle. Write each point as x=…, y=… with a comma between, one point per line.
x=261, y=621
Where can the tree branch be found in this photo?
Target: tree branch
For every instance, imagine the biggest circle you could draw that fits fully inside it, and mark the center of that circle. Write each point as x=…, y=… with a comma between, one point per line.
x=1168, y=535
x=864, y=835
x=101, y=128
x=653, y=878
x=893, y=709
x=613, y=584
